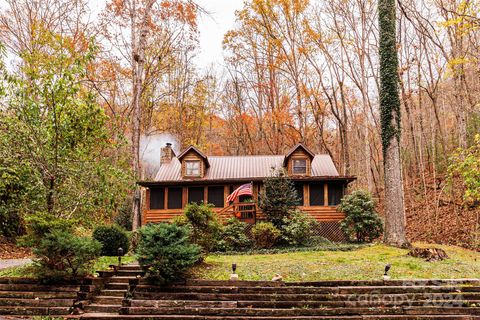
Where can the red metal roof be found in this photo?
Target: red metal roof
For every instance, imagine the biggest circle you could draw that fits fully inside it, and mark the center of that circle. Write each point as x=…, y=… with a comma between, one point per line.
x=244, y=167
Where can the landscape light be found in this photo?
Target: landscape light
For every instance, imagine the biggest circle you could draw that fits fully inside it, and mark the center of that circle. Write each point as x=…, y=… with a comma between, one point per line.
x=120, y=254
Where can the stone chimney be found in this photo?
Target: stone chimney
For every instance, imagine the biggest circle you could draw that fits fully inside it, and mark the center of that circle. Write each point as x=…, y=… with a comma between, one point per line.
x=166, y=154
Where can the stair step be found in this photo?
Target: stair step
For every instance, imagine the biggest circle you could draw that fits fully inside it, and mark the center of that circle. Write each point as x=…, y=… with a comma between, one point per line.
x=103, y=308
x=299, y=312
x=311, y=290
x=38, y=294
x=113, y=293
x=132, y=267
x=144, y=295
x=9, y=302
x=108, y=300
x=34, y=311
x=134, y=273
x=38, y=287
x=101, y=316
x=117, y=286
x=122, y=279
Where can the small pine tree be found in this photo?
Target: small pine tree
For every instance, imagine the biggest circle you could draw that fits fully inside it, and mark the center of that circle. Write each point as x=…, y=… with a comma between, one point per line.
x=361, y=223
x=278, y=197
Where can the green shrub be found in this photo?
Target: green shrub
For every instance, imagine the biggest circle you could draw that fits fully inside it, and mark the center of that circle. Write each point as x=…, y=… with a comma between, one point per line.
x=265, y=235
x=234, y=236
x=205, y=228
x=40, y=224
x=63, y=255
x=111, y=237
x=296, y=229
x=361, y=223
x=278, y=197
x=165, y=250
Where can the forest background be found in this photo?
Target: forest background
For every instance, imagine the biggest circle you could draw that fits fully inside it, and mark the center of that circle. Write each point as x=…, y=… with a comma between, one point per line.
x=83, y=100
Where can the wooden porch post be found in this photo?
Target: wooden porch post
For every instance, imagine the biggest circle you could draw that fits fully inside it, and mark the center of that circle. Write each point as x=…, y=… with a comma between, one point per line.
x=325, y=194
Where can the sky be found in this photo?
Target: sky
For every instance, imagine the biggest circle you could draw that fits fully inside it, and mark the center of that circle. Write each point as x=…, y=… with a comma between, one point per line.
x=212, y=27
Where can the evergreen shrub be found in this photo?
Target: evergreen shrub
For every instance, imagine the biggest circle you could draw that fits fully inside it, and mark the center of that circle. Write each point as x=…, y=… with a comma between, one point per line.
x=361, y=223
x=111, y=237
x=165, y=251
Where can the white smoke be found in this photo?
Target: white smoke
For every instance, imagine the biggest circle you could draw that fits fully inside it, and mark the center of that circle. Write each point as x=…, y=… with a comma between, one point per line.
x=150, y=148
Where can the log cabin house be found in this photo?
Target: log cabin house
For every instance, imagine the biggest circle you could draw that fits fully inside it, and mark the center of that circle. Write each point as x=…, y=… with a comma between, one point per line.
x=192, y=176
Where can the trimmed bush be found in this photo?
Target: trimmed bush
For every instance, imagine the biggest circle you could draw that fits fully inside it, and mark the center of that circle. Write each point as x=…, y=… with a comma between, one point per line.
x=63, y=255
x=234, y=236
x=205, y=228
x=361, y=223
x=296, y=229
x=111, y=237
x=165, y=251
x=265, y=235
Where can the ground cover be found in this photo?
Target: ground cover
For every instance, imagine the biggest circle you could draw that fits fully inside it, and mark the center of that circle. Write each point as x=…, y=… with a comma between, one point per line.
x=358, y=264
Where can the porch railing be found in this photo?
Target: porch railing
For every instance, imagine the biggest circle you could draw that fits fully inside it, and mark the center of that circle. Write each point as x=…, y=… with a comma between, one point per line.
x=242, y=210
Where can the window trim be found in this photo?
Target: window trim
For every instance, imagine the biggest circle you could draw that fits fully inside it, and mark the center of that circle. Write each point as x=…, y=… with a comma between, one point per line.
x=191, y=162
x=293, y=166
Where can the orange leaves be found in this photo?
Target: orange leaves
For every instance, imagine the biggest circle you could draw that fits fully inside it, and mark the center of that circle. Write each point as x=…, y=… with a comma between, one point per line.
x=180, y=10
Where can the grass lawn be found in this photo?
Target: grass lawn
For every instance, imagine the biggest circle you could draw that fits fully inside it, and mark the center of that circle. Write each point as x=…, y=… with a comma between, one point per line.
x=28, y=271
x=360, y=264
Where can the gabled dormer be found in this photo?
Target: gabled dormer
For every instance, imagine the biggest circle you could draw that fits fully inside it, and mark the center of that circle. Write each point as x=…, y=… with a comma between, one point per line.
x=298, y=161
x=194, y=163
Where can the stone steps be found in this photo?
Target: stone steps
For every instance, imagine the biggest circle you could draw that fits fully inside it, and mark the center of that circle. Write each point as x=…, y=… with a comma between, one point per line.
x=117, y=286
x=109, y=301
x=112, y=293
x=34, y=311
x=37, y=294
x=98, y=316
x=273, y=312
x=202, y=299
x=36, y=302
x=311, y=290
x=294, y=304
x=102, y=308
x=298, y=297
x=105, y=299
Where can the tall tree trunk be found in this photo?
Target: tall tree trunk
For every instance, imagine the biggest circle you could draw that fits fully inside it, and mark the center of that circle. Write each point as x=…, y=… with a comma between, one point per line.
x=395, y=222
x=138, y=64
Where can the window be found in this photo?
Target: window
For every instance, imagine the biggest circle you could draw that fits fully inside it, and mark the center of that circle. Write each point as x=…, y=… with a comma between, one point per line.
x=335, y=193
x=299, y=189
x=316, y=194
x=299, y=166
x=157, y=198
x=175, y=198
x=195, y=194
x=216, y=195
x=192, y=168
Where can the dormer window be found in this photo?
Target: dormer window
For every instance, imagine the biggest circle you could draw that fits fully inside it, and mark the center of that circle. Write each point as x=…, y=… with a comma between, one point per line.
x=192, y=168
x=299, y=166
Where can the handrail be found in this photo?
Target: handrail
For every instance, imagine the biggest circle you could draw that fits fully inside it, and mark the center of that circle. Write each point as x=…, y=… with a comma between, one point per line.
x=241, y=207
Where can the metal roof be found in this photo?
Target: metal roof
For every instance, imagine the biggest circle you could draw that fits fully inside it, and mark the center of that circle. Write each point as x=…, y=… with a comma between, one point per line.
x=243, y=167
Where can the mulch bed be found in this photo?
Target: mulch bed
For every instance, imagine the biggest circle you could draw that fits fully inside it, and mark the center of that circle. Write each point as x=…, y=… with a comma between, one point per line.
x=9, y=250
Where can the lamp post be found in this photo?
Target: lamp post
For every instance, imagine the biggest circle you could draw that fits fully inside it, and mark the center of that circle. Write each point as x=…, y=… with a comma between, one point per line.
x=120, y=254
